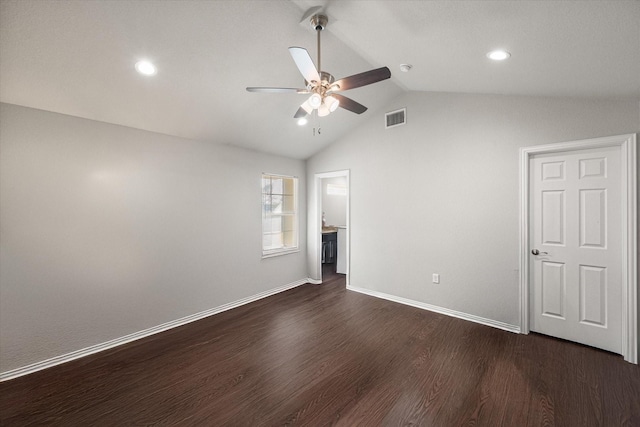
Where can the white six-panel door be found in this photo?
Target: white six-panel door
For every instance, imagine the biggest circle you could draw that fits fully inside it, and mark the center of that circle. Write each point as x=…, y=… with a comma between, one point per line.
x=575, y=226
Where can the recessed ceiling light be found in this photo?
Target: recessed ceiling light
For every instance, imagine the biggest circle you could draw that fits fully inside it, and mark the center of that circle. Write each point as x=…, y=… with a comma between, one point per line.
x=405, y=68
x=498, y=55
x=146, y=68
x=302, y=121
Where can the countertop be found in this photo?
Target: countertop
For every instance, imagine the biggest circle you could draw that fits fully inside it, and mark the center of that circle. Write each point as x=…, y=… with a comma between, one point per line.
x=332, y=229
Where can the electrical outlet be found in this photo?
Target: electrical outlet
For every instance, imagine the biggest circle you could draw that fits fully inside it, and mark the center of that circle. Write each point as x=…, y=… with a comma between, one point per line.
x=436, y=278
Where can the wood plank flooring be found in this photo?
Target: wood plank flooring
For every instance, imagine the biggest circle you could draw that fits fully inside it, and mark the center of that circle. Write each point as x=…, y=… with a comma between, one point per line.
x=321, y=355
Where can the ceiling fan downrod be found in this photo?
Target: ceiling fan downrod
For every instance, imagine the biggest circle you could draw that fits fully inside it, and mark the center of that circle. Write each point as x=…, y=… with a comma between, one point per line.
x=319, y=23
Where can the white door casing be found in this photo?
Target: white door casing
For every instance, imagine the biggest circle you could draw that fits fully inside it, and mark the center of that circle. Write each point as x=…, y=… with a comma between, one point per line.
x=579, y=210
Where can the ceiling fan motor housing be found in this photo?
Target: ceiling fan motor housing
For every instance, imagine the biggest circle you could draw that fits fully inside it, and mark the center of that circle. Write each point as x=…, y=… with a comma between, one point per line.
x=319, y=22
x=326, y=79
x=322, y=87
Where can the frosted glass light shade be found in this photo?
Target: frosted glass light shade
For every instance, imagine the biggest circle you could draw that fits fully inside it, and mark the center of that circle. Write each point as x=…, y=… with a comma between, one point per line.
x=315, y=100
x=323, y=110
x=332, y=103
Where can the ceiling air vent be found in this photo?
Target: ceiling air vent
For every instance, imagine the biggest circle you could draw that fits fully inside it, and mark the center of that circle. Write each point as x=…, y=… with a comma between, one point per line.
x=395, y=118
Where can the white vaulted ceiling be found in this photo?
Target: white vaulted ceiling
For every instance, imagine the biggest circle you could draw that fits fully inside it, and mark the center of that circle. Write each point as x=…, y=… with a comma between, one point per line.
x=77, y=58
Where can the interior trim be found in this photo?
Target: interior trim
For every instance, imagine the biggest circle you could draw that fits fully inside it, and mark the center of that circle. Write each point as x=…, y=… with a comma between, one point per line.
x=58, y=360
x=627, y=144
x=441, y=310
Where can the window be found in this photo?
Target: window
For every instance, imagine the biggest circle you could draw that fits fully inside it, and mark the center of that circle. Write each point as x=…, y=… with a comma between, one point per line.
x=336, y=190
x=279, y=214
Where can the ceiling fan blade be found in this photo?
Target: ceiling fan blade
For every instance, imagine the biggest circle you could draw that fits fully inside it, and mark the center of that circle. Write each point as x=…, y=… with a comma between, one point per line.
x=300, y=113
x=305, y=64
x=350, y=104
x=276, y=90
x=304, y=109
x=362, y=79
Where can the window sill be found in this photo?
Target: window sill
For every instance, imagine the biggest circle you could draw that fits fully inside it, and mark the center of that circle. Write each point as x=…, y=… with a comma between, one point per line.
x=280, y=252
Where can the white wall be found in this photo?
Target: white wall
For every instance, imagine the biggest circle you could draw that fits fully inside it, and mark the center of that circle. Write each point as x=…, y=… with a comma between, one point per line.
x=440, y=194
x=334, y=205
x=108, y=230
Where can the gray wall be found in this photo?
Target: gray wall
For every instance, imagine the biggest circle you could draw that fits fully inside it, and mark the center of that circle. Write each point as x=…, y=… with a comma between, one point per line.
x=108, y=230
x=440, y=194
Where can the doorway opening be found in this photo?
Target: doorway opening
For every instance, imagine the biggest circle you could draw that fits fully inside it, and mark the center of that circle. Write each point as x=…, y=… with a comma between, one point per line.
x=332, y=193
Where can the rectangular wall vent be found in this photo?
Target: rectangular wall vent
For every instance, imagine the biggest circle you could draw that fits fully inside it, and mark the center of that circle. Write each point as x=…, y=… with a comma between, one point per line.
x=395, y=118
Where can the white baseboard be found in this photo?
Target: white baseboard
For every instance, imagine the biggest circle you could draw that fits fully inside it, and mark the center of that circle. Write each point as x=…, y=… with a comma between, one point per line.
x=58, y=360
x=441, y=310
x=315, y=281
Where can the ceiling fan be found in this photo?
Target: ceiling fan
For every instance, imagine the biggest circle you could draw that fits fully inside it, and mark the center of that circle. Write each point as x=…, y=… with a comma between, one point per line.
x=321, y=85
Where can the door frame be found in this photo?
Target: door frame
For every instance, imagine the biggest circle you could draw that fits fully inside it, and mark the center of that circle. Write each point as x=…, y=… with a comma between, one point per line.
x=317, y=225
x=629, y=172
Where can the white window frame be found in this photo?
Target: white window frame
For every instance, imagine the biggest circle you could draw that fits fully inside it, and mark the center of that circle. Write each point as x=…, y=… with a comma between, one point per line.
x=294, y=244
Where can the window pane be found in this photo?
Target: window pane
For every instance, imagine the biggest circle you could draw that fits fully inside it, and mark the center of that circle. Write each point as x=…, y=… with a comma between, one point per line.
x=279, y=216
x=276, y=185
x=336, y=190
x=266, y=241
x=266, y=225
x=276, y=240
x=288, y=223
x=288, y=238
x=276, y=204
x=289, y=185
x=288, y=204
x=276, y=224
x=266, y=205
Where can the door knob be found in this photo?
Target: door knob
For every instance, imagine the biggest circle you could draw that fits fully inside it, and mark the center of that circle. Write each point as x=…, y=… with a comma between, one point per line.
x=537, y=252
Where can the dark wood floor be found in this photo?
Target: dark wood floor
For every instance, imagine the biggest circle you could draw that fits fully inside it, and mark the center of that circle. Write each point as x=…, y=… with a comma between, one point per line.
x=329, y=272
x=320, y=355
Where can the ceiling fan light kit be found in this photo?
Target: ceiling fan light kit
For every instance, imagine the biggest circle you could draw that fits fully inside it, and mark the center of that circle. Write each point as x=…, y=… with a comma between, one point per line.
x=315, y=101
x=322, y=86
x=332, y=103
